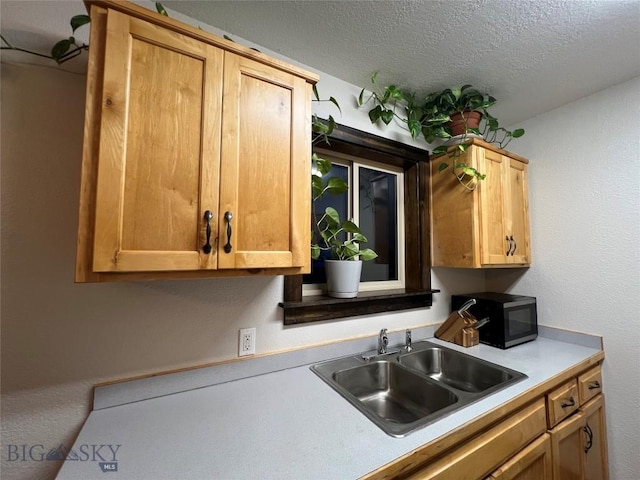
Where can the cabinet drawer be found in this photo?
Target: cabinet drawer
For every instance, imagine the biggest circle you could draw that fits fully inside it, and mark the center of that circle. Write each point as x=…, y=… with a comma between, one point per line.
x=590, y=384
x=479, y=457
x=562, y=402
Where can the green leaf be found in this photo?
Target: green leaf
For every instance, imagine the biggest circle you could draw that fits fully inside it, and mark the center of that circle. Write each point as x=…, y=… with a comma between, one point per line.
x=318, y=126
x=335, y=102
x=351, y=227
x=439, y=118
x=395, y=92
x=387, y=116
x=358, y=237
x=440, y=132
x=443, y=166
x=332, y=216
x=440, y=149
x=332, y=125
x=373, y=77
x=323, y=165
x=367, y=254
x=315, y=252
x=60, y=48
x=361, y=98
x=414, y=128
x=317, y=186
x=327, y=235
x=336, y=186
x=315, y=93
x=517, y=133
x=162, y=11
x=79, y=20
x=350, y=250
x=375, y=113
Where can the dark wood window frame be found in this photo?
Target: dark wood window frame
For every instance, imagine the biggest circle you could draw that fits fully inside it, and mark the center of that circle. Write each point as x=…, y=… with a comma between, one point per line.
x=417, y=292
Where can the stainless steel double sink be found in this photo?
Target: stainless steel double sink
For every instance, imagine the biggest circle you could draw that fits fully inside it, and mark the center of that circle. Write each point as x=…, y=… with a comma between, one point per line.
x=406, y=390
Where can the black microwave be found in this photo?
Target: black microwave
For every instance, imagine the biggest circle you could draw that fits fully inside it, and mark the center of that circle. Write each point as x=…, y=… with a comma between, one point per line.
x=513, y=319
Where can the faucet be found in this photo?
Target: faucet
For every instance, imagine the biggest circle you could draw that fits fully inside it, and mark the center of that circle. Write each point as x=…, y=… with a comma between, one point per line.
x=383, y=341
x=407, y=340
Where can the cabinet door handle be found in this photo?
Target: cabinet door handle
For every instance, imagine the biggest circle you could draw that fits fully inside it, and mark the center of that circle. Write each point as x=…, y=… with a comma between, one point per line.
x=570, y=403
x=515, y=245
x=228, y=216
x=594, y=385
x=508, y=245
x=208, y=215
x=587, y=429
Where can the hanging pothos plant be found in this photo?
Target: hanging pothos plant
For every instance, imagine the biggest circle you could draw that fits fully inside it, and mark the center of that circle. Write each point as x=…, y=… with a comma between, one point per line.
x=342, y=238
x=434, y=117
x=67, y=48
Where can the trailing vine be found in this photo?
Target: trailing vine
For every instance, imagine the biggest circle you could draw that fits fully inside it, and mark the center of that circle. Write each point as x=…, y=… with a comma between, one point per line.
x=67, y=48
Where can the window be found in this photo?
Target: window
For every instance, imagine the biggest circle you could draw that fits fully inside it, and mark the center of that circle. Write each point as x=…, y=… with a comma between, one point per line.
x=374, y=157
x=375, y=201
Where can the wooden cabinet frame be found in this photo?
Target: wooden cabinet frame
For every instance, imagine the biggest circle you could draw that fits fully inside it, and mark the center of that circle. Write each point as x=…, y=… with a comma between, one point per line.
x=184, y=262
x=489, y=225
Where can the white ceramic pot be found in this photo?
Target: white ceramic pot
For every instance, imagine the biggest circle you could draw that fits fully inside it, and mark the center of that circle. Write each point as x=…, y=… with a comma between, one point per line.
x=343, y=277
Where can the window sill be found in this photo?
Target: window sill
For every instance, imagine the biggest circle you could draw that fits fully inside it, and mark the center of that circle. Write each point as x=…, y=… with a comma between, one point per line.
x=320, y=307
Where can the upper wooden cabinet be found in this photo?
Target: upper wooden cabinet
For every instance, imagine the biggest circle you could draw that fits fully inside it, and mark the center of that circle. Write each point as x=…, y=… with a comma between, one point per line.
x=196, y=159
x=485, y=227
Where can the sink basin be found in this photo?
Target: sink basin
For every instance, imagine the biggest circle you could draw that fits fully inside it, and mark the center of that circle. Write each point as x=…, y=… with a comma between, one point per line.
x=403, y=391
x=458, y=370
x=393, y=393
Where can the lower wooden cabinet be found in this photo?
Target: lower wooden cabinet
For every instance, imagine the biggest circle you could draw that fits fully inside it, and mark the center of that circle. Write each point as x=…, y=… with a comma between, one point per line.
x=532, y=463
x=579, y=444
x=558, y=434
x=478, y=457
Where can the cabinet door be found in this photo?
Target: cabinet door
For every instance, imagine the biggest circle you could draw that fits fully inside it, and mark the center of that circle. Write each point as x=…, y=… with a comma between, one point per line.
x=596, y=463
x=493, y=213
x=516, y=206
x=159, y=149
x=266, y=168
x=532, y=463
x=567, y=448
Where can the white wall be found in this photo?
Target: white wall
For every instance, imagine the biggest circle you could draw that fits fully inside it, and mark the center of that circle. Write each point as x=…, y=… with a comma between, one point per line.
x=59, y=339
x=584, y=189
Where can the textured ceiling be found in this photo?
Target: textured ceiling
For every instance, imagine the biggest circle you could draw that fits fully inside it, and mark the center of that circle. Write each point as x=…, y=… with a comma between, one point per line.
x=532, y=55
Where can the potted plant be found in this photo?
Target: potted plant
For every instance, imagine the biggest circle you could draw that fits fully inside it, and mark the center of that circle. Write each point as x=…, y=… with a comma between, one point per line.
x=338, y=241
x=452, y=113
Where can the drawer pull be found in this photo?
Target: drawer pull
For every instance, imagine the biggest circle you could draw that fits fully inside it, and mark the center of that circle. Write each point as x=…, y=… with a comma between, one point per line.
x=594, y=385
x=228, y=216
x=587, y=429
x=508, y=246
x=207, y=247
x=569, y=403
x=515, y=245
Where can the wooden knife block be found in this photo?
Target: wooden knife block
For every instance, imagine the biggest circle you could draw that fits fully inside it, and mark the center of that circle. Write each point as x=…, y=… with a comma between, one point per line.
x=460, y=329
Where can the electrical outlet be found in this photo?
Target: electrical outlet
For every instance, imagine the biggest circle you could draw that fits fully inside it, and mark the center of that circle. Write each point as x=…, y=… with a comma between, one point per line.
x=247, y=342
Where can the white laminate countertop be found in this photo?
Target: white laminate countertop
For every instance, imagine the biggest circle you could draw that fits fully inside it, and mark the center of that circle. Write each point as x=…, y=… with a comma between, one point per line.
x=288, y=424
